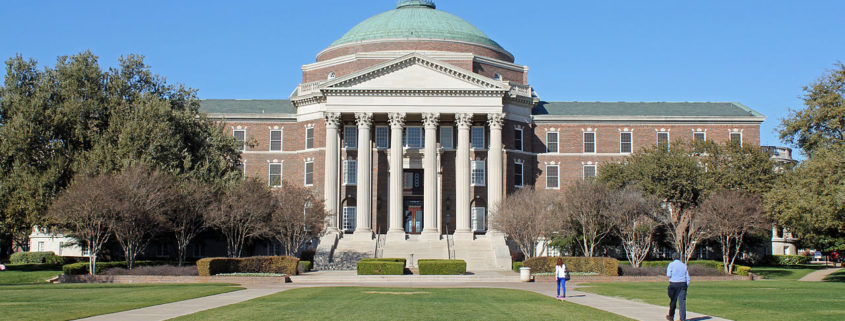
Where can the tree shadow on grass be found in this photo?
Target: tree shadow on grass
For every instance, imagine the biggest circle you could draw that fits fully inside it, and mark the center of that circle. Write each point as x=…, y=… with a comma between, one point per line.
x=839, y=276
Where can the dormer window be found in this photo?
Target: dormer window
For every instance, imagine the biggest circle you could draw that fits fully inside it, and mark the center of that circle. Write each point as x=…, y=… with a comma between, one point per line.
x=331, y=75
x=497, y=76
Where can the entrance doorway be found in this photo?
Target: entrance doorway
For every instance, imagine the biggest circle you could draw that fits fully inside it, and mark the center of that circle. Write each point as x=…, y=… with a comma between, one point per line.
x=413, y=216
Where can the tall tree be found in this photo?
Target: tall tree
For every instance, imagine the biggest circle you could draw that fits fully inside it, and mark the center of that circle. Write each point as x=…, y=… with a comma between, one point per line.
x=242, y=213
x=733, y=215
x=299, y=216
x=186, y=218
x=733, y=167
x=528, y=216
x=821, y=124
x=634, y=215
x=86, y=211
x=587, y=208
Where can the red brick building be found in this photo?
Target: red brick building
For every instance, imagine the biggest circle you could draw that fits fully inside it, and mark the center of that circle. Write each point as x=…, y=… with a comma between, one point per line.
x=415, y=123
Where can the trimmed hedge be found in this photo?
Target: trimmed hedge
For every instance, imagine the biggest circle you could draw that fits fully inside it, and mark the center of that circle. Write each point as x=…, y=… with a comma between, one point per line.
x=304, y=266
x=600, y=265
x=516, y=266
x=256, y=264
x=381, y=266
x=442, y=267
x=35, y=258
x=789, y=259
x=82, y=267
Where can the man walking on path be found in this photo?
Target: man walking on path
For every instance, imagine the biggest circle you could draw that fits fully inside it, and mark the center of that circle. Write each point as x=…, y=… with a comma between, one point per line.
x=678, y=283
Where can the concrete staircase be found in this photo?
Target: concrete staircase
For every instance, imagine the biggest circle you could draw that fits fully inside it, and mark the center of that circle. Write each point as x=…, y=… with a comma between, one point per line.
x=414, y=248
x=342, y=252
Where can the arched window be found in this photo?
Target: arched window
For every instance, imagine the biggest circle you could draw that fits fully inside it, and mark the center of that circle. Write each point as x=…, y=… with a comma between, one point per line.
x=497, y=76
x=331, y=75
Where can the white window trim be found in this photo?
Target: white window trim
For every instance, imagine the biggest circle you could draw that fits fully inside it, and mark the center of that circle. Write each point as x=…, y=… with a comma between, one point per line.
x=243, y=148
x=483, y=139
x=557, y=178
x=346, y=142
x=281, y=173
x=703, y=133
x=346, y=172
x=306, y=137
x=521, y=182
x=407, y=135
x=557, y=142
x=584, y=142
x=521, y=139
x=668, y=138
x=473, y=220
x=631, y=142
x=472, y=169
x=740, y=137
x=281, y=140
x=451, y=137
x=584, y=171
x=305, y=173
x=375, y=135
x=344, y=219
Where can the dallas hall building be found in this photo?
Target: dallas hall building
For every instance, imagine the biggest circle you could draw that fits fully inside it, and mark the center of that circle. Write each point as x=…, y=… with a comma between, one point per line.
x=414, y=124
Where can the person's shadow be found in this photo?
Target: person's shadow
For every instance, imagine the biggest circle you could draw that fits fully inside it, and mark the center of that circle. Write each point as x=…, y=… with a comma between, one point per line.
x=700, y=318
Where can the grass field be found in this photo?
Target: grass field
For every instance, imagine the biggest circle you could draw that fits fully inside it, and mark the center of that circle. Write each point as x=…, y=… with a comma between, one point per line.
x=353, y=303
x=743, y=300
x=785, y=272
x=26, y=277
x=839, y=276
x=73, y=301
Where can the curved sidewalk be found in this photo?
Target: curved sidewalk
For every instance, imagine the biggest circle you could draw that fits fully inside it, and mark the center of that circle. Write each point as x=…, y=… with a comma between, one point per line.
x=818, y=276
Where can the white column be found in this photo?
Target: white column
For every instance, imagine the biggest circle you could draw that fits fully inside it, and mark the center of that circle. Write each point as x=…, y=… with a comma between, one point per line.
x=430, y=122
x=331, y=183
x=396, y=232
x=494, y=163
x=462, y=197
x=364, y=187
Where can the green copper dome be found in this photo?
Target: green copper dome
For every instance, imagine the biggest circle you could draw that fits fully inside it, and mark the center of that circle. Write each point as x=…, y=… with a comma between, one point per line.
x=416, y=19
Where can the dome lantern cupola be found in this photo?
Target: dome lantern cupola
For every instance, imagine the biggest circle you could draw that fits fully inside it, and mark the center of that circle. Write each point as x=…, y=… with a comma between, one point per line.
x=416, y=3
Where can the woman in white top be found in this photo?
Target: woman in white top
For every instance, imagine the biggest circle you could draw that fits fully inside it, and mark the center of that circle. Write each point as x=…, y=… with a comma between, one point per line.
x=560, y=275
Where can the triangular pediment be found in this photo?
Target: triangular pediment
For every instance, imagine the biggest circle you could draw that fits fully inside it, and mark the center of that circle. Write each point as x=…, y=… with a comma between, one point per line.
x=414, y=72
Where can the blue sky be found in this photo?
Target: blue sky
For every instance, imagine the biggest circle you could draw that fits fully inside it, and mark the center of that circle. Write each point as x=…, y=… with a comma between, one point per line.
x=759, y=53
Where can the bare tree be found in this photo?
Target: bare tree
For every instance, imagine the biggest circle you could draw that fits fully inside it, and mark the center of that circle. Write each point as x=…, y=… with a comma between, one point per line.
x=299, y=216
x=587, y=206
x=732, y=215
x=634, y=218
x=526, y=217
x=146, y=197
x=186, y=218
x=85, y=211
x=242, y=213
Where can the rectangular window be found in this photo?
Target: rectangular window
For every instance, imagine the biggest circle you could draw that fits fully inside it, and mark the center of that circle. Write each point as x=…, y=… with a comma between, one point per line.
x=625, y=144
x=663, y=139
x=41, y=246
x=589, y=142
x=348, y=218
x=275, y=140
x=478, y=173
x=309, y=173
x=589, y=172
x=517, y=138
x=447, y=139
x=698, y=137
x=736, y=138
x=477, y=137
x=382, y=137
x=413, y=137
x=275, y=177
x=517, y=174
x=350, y=172
x=309, y=137
x=551, y=142
x=478, y=219
x=240, y=138
x=552, y=177
x=350, y=137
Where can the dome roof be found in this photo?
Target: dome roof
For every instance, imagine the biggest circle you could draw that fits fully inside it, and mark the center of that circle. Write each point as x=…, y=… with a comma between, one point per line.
x=416, y=19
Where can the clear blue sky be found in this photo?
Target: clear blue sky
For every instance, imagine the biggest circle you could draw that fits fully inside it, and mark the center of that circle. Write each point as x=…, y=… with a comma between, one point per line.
x=759, y=53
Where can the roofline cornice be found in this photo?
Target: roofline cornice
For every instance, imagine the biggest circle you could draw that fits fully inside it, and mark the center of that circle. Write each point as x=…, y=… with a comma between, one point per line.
x=364, y=42
x=250, y=116
x=641, y=119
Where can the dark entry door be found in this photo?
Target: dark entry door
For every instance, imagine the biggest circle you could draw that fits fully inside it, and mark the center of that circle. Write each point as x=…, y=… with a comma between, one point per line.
x=413, y=216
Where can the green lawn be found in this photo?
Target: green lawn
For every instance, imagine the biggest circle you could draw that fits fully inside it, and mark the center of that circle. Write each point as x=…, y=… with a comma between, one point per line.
x=838, y=276
x=785, y=272
x=353, y=303
x=26, y=277
x=743, y=300
x=73, y=301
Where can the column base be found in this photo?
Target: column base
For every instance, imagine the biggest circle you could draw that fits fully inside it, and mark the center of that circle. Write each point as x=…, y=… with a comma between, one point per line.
x=430, y=235
x=464, y=235
x=332, y=230
x=395, y=236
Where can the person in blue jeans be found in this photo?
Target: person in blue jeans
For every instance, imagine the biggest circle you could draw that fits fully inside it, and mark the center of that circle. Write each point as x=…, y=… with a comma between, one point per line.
x=560, y=275
x=678, y=284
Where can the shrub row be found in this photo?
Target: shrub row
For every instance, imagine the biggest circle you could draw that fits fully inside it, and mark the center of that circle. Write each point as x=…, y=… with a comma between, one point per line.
x=256, y=264
x=516, y=266
x=788, y=259
x=82, y=267
x=33, y=267
x=381, y=266
x=442, y=267
x=600, y=265
x=304, y=266
x=717, y=265
x=35, y=258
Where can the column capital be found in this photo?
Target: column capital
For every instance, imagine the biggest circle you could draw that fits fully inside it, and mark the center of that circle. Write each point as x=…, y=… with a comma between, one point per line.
x=396, y=119
x=496, y=120
x=364, y=120
x=464, y=120
x=332, y=120
x=431, y=120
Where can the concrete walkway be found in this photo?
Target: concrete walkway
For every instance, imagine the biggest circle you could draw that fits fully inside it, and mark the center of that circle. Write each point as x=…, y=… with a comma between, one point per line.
x=818, y=276
x=627, y=308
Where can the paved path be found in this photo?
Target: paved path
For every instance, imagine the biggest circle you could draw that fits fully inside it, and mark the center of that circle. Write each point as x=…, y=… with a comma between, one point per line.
x=818, y=276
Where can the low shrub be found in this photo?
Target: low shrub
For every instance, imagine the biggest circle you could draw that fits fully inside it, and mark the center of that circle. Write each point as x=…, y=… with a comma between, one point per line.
x=742, y=270
x=304, y=266
x=442, y=267
x=381, y=266
x=82, y=267
x=788, y=259
x=601, y=265
x=35, y=258
x=516, y=266
x=170, y=270
x=256, y=264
